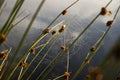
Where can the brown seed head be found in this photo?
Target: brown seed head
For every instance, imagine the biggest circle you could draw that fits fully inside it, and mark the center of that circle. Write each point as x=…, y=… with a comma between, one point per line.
x=62, y=28
x=64, y=47
x=103, y=11
x=46, y=31
x=33, y=51
x=109, y=23
x=23, y=64
x=110, y=12
x=54, y=32
x=64, y=12
x=66, y=74
x=3, y=38
x=93, y=49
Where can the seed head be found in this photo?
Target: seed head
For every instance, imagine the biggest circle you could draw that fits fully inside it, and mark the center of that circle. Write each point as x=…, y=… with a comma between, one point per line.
x=103, y=11
x=109, y=23
x=93, y=49
x=23, y=64
x=46, y=31
x=64, y=47
x=3, y=38
x=110, y=12
x=62, y=28
x=54, y=32
x=33, y=51
x=64, y=12
x=66, y=74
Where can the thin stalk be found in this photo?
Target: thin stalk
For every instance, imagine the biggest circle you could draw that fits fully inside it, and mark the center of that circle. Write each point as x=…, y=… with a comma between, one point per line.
x=13, y=25
x=89, y=57
x=23, y=67
x=3, y=7
x=5, y=58
x=98, y=46
x=28, y=28
x=58, y=77
x=103, y=64
x=44, y=56
x=3, y=71
x=69, y=47
x=61, y=13
x=25, y=34
x=88, y=26
x=20, y=14
x=43, y=46
x=52, y=65
x=43, y=71
x=32, y=46
x=40, y=38
x=2, y=3
x=12, y=17
x=20, y=73
x=57, y=55
x=67, y=77
x=116, y=13
x=68, y=61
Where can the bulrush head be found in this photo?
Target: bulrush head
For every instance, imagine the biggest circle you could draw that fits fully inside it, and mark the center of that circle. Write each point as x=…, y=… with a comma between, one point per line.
x=64, y=12
x=54, y=32
x=63, y=47
x=66, y=74
x=103, y=11
x=3, y=38
x=46, y=31
x=109, y=23
x=23, y=64
x=33, y=51
x=93, y=48
x=62, y=28
x=110, y=12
